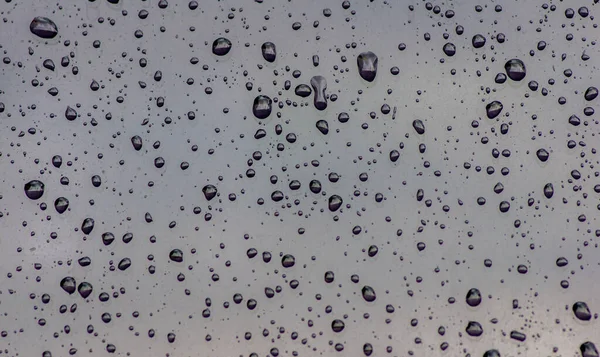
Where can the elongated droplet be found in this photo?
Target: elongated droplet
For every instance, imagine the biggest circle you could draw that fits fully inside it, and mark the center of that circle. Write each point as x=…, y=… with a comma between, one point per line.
x=43, y=27
x=269, y=51
x=319, y=85
x=582, y=311
x=367, y=66
x=335, y=202
x=368, y=293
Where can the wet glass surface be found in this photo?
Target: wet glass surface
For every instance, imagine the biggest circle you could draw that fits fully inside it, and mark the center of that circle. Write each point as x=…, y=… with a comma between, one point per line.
x=299, y=178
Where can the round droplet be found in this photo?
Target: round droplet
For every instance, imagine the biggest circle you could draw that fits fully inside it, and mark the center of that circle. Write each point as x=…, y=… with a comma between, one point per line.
x=34, y=189
x=61, y=204
x=57, y=161
x=582, y=311
x=303, y=90
x=335, y=202
x=591, y=93
x=176, y=255
x=548, y=190
x=515, y=69
x=269, y=51
x=542, y=155
x=474, y=329
x=473, y=297
x=262, y=107
x=209, y=191
x=288, y=261
x=68, y=284
x=491, y=353
x=43, y=27
x=588, y=349
x=368, y=293
x=493, y=109
x=367, y=66
x=221, y=46
x=337, y=325
x=478, y=41
x=70, y=113
x=85, y=289
x=449, y=49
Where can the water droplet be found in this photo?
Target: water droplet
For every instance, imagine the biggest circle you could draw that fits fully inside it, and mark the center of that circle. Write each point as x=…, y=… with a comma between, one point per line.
x=337, y=325
x=588, y=349
x=221, y=46
x=493, y=109
x=68, y=284
x=61, y=204
x=542, y=154
x=491, y=353
x=319, y=85
x=582, y=311
x=478, y=41
x=474, y=329
x=87, y=226
x=303, y=90
x=288, y=261
x=43, y=27
x=57, y=161
x=85, y=289
x=591, y=93
x=419, y=126
x=367, y=66
x=473, y=297
x=34, y=189
x=49, y=64
x=176, y=255
x=335, y=202
x=548, y=190
x=515, y=69
x=262, y=107
x=269, y=51
x=209, y=191
x=449, y=49
x=368, y=293
x=70, y=114
x=323, y=126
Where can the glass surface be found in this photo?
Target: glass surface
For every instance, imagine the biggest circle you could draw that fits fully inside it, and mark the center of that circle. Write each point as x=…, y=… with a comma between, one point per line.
x=299, y=178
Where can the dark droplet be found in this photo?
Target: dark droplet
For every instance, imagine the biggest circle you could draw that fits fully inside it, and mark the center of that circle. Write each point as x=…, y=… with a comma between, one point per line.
x=269, y=51
x=419, y=126
x=303, y=90
x=61, y=204
x=288, y=261
x=85, y=289
x=542, y=155
x=262, y=107
x=319, y=84
x=474, y=329
x=70, y=113
x=68, y=284
x=335, y=202
x=588, y=349
x=221, y=46
x=515, y=69
x=367, y=66
x=493, y=109
x=473, y=297
x=34, y=189
x=209, y=191
x=368, y=293
x=43, y=27
x=582, y=311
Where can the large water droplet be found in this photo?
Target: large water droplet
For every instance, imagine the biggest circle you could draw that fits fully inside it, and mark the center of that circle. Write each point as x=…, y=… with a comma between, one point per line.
x=515, y=69
x=136, y=141
x=288, y=261
x=335, y=202
x=221, y=46
x=176, y=255
x=474, y=329
x=269, y=51
x=87, y=226
x=582, y=311
x=419, y=126
x=493, y=109
x=85, y=289
x=588, y=349
x=473, y=297
x=209, y=191
x=591, y=93
x=61, y=204
x=367, y=66
x=68, y=284
x=70, y=114
x=319, y=84
x=43, y=27
x=34, y=189
x=368, y=293
x=303, y=90
x=262, y=107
